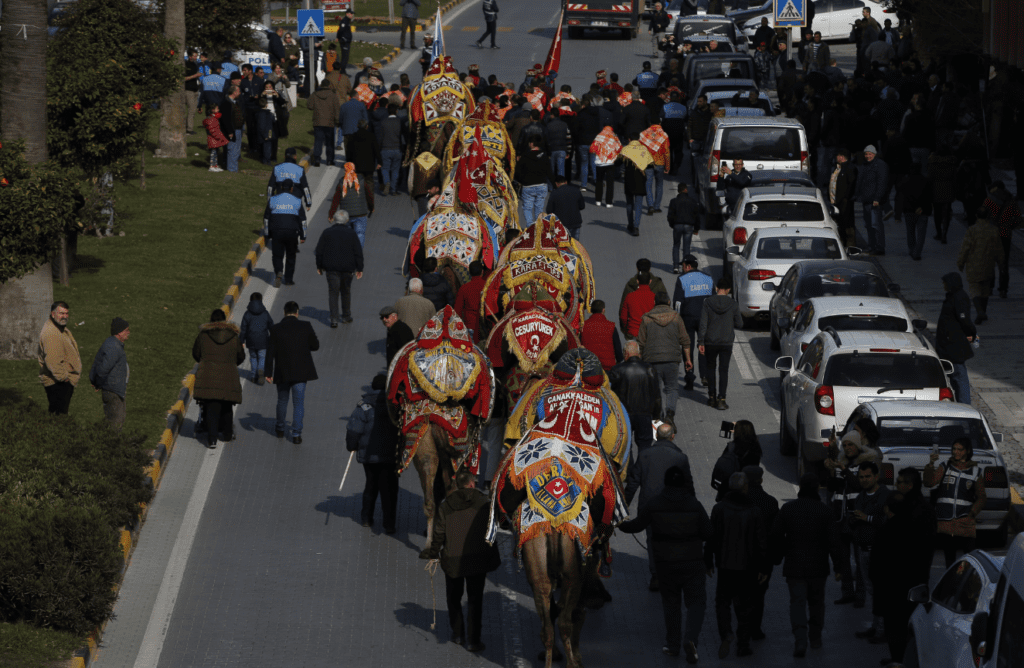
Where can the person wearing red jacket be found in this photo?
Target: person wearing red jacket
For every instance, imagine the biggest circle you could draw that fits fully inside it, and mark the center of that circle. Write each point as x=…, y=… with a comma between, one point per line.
x=214, y=137
x=467, y=301
x=636, y=304
x=600, y=336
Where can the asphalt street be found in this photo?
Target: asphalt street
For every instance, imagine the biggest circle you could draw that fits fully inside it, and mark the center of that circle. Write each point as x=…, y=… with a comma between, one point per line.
x=250, y=556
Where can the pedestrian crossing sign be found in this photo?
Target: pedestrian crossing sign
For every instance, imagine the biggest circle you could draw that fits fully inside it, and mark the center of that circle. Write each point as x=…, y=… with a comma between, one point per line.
x=790, y=13
x=311, y=22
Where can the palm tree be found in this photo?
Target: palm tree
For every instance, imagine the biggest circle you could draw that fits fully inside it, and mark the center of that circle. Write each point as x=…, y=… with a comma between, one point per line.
x=172, y=122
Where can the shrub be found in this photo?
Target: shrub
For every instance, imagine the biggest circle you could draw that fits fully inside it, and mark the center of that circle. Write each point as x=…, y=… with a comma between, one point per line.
x=65, y=489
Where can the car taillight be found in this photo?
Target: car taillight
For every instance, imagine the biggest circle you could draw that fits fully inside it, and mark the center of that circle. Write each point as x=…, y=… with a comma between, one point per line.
x=884, y=350
x=713, y=165
x=824, y=400
x=804, y=161
x=739, y=236
x=803, y=347
x=574, y=22
x=995, y=476
x=886, y=474
x=945, y=394
x=796, y=309
x=760, y=274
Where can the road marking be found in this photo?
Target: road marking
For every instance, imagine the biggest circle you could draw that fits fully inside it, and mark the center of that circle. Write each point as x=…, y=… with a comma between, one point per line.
x=741, y=361
x=470, y=28
x=505, y=29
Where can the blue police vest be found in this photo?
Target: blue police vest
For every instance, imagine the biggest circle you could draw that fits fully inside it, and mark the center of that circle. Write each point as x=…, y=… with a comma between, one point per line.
x=214, y=83
x=283, y=212
x=691, y=290
x=647, y=80
x=288, y=171
x=674, y=110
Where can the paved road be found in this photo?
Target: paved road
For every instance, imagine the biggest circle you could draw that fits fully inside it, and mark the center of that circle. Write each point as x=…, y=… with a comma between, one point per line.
x=251, y=557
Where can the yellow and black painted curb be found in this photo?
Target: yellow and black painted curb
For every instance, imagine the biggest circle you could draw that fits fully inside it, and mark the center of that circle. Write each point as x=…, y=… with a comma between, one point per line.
x=162, y=452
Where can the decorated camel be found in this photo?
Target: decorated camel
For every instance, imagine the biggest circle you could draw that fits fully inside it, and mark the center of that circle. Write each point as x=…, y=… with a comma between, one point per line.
x=440, y=391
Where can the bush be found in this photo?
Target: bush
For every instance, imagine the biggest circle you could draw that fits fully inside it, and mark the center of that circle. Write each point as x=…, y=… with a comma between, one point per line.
x=65, y=490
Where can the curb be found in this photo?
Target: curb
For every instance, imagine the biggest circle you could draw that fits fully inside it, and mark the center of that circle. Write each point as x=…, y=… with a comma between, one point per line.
x=165, y=446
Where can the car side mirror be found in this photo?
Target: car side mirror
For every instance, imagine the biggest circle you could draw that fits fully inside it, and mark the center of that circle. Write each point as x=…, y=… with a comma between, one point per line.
x=768, y=286
x=783, y=323
x=918, y=323
x=853, y=250
x=997, y=436
x=893, y=287
x=732, y=250
x=784, y=364
x=919, y=594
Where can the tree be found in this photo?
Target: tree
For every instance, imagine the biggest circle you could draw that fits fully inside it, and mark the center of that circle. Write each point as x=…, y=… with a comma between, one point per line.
x=99, y=113
x=216, y=26
x=175, y=105
x=23, y=93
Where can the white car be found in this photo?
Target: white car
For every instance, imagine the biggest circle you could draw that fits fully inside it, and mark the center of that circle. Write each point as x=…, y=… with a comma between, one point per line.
x=911, y=430
x=838, y=372
x=768, y=255
x=844, y=314
x=997, y=634
x=832, y=18
x=775, y=206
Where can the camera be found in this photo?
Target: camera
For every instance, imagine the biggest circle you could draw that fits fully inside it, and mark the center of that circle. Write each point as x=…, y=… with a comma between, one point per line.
x=725, y=431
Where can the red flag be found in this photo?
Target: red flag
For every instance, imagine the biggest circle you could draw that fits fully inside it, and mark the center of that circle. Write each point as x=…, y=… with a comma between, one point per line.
x=555, y=52
x=471, y=168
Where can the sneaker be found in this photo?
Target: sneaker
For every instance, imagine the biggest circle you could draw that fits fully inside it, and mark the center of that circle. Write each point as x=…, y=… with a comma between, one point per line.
x=297, y=440
x=287, y=282
x=688, y=386
x=386, y=189
x=339, y=148
x=800, y=649
x=744, y=650
x=847, y=598
x=704, y=381
x=721, y=405
x=668, y=651
x=347, y=320
x=476, y=647
x=495, y=47
x=279, y=433
x=277, y=281
x=676, y=269
x=334, y=325
x=478, y=45
x=216, y=169
x=815, y=643
x=609, y=206
x=713, y=402
x=866, y=634
x=691, y=652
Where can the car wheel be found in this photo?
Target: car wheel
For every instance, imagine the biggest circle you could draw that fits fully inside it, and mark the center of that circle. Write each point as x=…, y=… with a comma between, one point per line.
x=910, y=657
x=787, y=444
x=773, y=339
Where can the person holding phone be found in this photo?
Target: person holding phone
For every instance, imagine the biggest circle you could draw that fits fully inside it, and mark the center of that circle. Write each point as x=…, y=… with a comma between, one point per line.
x=960, y=496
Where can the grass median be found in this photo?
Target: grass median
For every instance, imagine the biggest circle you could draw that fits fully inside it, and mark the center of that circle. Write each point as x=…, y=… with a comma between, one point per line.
x=185, y=235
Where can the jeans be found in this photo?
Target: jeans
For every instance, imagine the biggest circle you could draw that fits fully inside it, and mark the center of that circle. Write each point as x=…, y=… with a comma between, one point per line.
x=574, y=232
x=584, y=165
x=283, y=249
x=678, y=582
x=113, y=409
x=862, y=560
x=735, y=590
x=806, y=594
x=917, y=228
x=474, y=587
x=492, y=30
x=359, y=225
x=682, y=233
x=298, y=394
x=668, y=377
x=717, y=386
x=391, y=161
x=558, y=162
x=604, y=184
x=59, y=397
x=323, y=137
x=380, y=480
x=875, y=230
x=340, y=142
x=643, y=434
x=339, y=284
x=655, y=185
x=533, y=202
x=700, y=364
x=234, y=151
x=634, y=210
x=257, y=358
x=961, y=383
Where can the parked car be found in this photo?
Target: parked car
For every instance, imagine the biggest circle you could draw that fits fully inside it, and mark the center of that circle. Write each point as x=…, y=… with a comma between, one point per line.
x=774, y=206
x=700, y=67
x=778, y=177
x=768, y=255
x=940, y=627
x=732, y=93
x=843, y=314
x=837, y=373
x=832, y=18
x=912, y=430
x=702, y=24
x=817, y=278
x=762, y=143
x=997, y=635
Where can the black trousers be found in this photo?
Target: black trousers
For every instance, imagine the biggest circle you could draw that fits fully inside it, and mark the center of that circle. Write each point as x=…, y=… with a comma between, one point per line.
x=950, y=545
x=897, y=616
x=344, y=56
x=643, y=435
x=679, y=582
x=380, y=479
x=339, y=284
x=757, y=606
x=718, y=384
x=492, y=30
x=735, y=591
x=604, y=185
x=807, y=594
x=474, y=587
x=284, y=245
x=59, y=397
x=219, y=420
x=1004, y=276
x=701, y=364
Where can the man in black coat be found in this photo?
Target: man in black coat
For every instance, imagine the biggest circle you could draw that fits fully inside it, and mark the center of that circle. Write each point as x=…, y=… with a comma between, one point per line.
x=636, y=117
x=566, y=202
x=648, y=475
x=841, y=189
x=275, y=47
x=290, y=348
x=374, y=439
x=399, y=333
x=684, y=219
x=954, y=333
x=769, y=507
x=435, y=286
x=339, y=253
x=635, y=383
x=802, y=535
x=734, y=181
x=739, y=546
x=676, y=526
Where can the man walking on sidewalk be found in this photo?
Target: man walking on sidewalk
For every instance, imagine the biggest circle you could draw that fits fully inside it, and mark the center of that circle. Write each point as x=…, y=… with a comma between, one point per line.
x=291, y=347
x=718, y=323
x=664, y=343
x=339, y=253
x=491, y=19
x=692, y=289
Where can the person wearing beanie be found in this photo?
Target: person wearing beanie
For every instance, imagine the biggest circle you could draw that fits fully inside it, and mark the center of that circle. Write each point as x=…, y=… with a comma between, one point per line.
x=109, y=373
x=802, y=535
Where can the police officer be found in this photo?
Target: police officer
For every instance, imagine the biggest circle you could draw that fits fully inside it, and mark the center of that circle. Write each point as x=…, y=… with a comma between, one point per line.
x=692, y=288
x=213, y=87
x=285, y=223
x=647, y=82
x=291, y=171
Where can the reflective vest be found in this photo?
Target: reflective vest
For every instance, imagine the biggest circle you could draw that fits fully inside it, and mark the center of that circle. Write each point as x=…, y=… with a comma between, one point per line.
x=956, y=493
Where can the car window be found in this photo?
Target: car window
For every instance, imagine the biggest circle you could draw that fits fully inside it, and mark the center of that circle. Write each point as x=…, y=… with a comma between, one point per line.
x=945, y=592
x=691, y=27
x=761, y=143
x=967, y=599
x=748, y=249
x=783, y=210
x=926, y=432
x=798, y=248
x=788, y=282
x=804, y=316
x=810, y=363
x=715, y=68
x=862, y=322
x=1011, y=636
x=841, y=284
x=890, y=370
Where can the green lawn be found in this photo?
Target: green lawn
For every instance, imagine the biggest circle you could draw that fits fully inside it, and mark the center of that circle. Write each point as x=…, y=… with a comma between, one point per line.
x=25, y=646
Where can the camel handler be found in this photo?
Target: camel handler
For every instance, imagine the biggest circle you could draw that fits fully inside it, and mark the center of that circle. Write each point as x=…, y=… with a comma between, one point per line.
x=458, y=541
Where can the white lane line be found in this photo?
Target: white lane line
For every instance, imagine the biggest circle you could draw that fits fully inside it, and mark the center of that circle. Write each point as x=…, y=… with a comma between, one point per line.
x=741, y=360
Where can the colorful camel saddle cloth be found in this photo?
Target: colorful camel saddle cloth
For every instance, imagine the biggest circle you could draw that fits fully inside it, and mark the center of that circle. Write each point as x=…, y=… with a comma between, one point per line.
x=455, y=239
x=531, y=336
x=494, y=135
x=463, y=441
x=496, y=201
x=441, y=97
x=418, y=415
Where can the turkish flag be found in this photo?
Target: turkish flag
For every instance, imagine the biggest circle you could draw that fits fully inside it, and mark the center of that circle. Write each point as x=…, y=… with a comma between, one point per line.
x=471, y=168
x=555, y=52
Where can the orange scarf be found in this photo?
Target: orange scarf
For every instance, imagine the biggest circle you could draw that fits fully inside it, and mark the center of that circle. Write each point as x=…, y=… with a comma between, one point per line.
x=350, y=179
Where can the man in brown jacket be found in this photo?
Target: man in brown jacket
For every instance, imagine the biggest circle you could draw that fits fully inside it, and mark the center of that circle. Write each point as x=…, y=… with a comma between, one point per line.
x=980, y=252
x=664, y=343
x=341, y=85
x=60, y=365
x=326, y=112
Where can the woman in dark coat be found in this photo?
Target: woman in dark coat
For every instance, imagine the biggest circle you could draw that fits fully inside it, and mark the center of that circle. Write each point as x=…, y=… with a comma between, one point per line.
x=219, y=351
x=374, y=439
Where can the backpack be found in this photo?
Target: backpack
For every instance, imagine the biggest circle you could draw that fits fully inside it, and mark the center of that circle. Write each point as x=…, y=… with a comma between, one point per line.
x=726, y=465
x=359, y=425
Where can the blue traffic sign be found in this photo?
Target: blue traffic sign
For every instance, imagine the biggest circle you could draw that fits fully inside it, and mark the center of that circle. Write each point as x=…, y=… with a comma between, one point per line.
x=311, y=22
x=790, y=13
